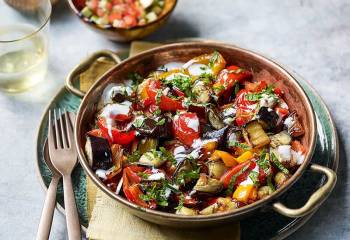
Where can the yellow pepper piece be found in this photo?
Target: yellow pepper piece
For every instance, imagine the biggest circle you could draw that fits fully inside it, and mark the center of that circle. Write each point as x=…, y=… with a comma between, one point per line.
x=209, y=147
x=245, y=157
x=214, y=60
x=242, y=193
x=227, y=158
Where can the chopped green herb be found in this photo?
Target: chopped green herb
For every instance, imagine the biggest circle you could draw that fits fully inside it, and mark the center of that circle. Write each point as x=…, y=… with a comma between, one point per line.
x=134, y=156
x=207, y=78
x=136, y=79
x=143, y=175
x=257, y=96
x=168, y=155
x=263, y=161
x=186, y=176
x=158, y=96
x=269, y=182
x=278, y=164
x=254, y=176
x=219, y=88
x=138, y=122
x=244, y=146
x=214, y=58
x=161, y=122
x=156, y=192
x=157, y=112
x=181, y=202
x=236, y=88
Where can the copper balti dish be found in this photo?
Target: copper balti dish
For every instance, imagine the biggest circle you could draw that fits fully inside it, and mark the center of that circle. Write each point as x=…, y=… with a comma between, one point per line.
x=295, y=97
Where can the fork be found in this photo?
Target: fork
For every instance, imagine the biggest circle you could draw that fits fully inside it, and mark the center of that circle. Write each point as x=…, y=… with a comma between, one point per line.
x=63, y=156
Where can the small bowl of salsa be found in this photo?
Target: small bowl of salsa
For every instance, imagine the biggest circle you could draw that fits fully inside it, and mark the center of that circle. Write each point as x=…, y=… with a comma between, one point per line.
x=123, y=20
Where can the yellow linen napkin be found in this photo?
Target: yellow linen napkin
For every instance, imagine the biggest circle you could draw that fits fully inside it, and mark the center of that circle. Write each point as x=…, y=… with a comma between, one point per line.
x=109, y=221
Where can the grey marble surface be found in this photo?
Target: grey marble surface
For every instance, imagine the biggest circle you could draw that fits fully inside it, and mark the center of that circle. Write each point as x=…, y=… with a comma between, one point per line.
x=312, y=37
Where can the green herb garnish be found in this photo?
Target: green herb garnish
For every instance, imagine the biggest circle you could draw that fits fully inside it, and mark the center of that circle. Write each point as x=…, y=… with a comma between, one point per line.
x=185, y=176
x=156, y=192
x=244, y=146
x=214, y=58
x=181, y=202
x=254, y=176
x=138, y=122
x=168, y=155
x=158, y=96
x=257, y=96
x=278, y=164
x=269, y=183
x=161, y=122
x=134, y=156
x=263, y=161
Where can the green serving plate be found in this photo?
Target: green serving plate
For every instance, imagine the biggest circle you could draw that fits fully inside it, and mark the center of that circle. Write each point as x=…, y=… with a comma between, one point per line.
x=265, y=225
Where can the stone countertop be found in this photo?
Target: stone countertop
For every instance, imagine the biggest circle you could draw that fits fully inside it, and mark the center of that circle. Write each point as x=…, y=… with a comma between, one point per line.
x=311, y=37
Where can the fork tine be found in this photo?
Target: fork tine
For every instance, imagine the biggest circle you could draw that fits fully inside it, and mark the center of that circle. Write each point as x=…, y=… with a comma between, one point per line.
x=50, y=135
x=69, y=129
x=63, y=133
x=58, y=141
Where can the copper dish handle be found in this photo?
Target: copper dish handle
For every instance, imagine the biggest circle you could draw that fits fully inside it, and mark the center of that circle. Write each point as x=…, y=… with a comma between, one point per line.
x=83, y=66
x=315, y=200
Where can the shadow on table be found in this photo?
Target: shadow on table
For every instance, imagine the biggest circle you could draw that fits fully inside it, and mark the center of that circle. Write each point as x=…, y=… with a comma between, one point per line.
x=332, y=215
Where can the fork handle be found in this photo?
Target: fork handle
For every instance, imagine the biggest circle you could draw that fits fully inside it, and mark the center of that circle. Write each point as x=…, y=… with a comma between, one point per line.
x=48, y=210
x=72, y=218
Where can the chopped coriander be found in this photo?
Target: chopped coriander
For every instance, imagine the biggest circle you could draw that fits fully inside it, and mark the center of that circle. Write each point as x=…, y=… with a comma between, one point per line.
x=161, y=122
x=207, y=78
x=236, y=88
x=244, y=146
x=214, y=59
x=158, y=96
x=143, y=175
x=168, y=155
x=185, y=176
x=157, y=112
x=278, y=164
x=263, y=161
x=219, y=88
x=134, y=156
x=269, y=182
x=257, y=96
x=254, y=176
x=155, y=192
x=136, y=79
x=138, y=122
x=181, y=202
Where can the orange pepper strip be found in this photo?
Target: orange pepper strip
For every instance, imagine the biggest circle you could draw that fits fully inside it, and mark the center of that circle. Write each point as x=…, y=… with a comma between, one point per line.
x=227, y=158
x=245, y=157
x=242, y=193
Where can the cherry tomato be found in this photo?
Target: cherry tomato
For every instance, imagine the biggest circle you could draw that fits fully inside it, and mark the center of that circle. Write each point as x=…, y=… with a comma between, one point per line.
x=278, y=91
x=118, y=137
x=282, y=112
x=186, y=127
x=255, y=86
x=228, y=77
x=165, y=103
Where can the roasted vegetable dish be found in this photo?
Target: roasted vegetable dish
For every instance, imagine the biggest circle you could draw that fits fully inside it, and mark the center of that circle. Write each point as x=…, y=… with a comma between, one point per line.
x=194, y=138
x=122, y=13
